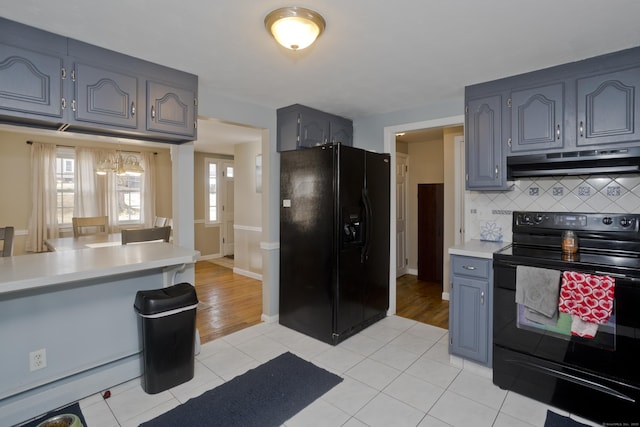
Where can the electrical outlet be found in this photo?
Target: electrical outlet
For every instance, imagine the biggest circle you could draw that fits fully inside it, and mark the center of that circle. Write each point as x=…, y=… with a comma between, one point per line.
x=37, y=359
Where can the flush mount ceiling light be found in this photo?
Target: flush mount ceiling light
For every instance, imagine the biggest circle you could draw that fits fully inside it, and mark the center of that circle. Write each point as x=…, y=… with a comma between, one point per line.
x=294, y=27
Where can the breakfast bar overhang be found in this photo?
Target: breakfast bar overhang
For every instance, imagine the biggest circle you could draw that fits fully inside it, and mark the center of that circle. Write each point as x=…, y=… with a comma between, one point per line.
x=77, y=306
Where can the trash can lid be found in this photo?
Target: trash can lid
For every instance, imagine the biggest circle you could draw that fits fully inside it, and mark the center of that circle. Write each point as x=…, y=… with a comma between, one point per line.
x=165, y=299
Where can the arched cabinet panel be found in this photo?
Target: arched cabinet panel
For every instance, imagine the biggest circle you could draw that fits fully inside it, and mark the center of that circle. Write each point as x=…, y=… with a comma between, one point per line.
x=170, y=109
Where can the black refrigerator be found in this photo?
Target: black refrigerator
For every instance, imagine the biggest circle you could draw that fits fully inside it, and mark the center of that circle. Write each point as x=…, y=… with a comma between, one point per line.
x=334, y=240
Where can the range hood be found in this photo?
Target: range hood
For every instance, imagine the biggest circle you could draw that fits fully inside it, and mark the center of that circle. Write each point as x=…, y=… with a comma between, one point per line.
x=588, y=162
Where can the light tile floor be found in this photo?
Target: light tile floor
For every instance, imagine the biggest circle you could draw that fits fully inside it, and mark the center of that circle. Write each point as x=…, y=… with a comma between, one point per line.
x=397, y=372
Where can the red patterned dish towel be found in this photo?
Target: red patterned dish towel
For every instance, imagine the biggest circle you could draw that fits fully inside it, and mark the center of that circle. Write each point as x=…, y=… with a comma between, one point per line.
x=588, y=299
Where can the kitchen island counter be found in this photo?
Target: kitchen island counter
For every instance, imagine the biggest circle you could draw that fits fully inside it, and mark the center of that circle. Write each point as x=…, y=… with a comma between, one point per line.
x=76, y=309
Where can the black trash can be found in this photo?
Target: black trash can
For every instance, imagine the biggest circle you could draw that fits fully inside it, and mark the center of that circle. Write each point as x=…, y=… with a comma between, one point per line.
x=168, y=324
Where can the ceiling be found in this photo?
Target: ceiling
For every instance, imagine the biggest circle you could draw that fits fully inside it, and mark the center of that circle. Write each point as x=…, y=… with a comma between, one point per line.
x=373, y=58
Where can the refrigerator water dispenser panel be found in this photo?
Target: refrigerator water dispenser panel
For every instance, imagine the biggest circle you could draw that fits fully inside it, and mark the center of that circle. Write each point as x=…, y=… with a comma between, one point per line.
x=352, y=226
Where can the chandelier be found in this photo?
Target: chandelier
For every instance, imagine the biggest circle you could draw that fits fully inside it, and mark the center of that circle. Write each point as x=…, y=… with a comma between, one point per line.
x=120, y=164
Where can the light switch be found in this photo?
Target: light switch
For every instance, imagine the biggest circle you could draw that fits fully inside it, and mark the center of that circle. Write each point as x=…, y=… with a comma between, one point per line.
x=286, y=203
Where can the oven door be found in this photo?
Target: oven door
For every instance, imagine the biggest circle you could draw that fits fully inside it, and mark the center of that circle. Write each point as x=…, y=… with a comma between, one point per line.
x=597, y=378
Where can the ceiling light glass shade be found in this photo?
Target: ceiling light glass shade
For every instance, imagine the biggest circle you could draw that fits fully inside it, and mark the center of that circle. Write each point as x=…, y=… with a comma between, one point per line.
x=294, y=27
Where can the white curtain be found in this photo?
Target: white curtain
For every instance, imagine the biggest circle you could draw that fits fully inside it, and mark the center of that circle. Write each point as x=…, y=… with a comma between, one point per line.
x=43, y=223
x=148, y=188
x=89, y=195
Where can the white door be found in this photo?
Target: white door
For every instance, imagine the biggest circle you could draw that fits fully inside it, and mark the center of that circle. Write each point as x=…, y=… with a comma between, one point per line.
x=227, y=208
x=402, y=167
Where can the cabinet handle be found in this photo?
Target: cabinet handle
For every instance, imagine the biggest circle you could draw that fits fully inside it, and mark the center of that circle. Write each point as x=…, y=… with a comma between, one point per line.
x=558, y=132
x=73, y=105
x=63, y=103
x=497, y=171
x=153, y=112
x=482, y=298
x=509, y=142
x=64, y=73
x=468, y=267
x=581, y=129
x=133, y=109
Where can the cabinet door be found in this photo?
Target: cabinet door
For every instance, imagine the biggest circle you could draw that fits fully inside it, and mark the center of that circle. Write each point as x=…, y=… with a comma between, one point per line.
x=608, y=108
x=341, y=131
x=483, y=144
x=105, y=97
x=470, y=315
x=314, y=128
x=288, y=130
x=537, y=118
x=30, y=82
x=171, y=109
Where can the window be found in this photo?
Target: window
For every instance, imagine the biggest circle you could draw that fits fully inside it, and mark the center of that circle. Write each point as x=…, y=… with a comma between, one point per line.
x=129, y=199
x=211, y=190
x=65, y=184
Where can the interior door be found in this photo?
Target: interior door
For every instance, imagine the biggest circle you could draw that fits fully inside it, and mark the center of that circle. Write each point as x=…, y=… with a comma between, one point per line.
x=402, y=161
x=430, y=232
x=227, y=209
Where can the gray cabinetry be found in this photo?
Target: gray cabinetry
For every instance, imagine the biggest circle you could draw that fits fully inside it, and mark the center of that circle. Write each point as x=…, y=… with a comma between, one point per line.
x=171, y=109
x=470, y=318
x=608, y=108
x=304, y=127
x=485, y=161
x=537, y=118
x=31, y=75
x=103, y=96
x=54, y=82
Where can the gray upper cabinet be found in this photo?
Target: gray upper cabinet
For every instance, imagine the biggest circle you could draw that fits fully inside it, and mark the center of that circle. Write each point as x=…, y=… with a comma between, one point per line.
x=485, y=162
x=304, y=127
x=31, y=83
x=104, y=97
x=54, y=82
x=171, y=109
x=537, y=118
x=608, y=108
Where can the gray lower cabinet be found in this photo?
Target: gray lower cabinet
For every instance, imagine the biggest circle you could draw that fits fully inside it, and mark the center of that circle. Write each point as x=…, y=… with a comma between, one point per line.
x=470, y=309
x=485, y=160
x=304, y=127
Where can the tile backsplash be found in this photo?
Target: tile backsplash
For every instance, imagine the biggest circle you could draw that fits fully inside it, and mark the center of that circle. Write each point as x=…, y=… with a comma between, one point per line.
x=488, y=213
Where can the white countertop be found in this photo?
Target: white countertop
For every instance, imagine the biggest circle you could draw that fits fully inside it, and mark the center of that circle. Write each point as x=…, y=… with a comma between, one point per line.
x=46, y=269
x=478, y=248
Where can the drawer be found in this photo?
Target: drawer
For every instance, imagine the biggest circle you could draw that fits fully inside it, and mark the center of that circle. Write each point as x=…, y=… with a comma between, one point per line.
x=470, y=266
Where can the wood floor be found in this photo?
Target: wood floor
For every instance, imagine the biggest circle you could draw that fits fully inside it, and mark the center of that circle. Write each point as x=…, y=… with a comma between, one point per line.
x=230, y=302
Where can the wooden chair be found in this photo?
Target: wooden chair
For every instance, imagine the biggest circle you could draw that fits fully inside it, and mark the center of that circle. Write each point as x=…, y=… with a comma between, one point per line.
x=160, y=221
x=6, y=235
x=145, y=234
x=93, y=224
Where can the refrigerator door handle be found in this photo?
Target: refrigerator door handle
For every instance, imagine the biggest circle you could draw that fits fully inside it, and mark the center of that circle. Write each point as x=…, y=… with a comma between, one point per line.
x=368, y=214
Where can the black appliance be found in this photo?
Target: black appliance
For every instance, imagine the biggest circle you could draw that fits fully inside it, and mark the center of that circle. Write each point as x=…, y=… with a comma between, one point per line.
x=596, y=378
x=585, y=162
x=334, y=240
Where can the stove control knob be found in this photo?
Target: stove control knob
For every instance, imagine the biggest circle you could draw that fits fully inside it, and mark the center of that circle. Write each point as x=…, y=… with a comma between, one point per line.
x=538, y=218
x=607, y=220
x=625, y=222
x=526, y=219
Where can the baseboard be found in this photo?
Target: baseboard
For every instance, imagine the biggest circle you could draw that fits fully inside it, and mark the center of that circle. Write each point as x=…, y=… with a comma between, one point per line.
x=445, y=296
x=269, y=319
x=208, y=257
x=412, y=271
x=247, y=273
